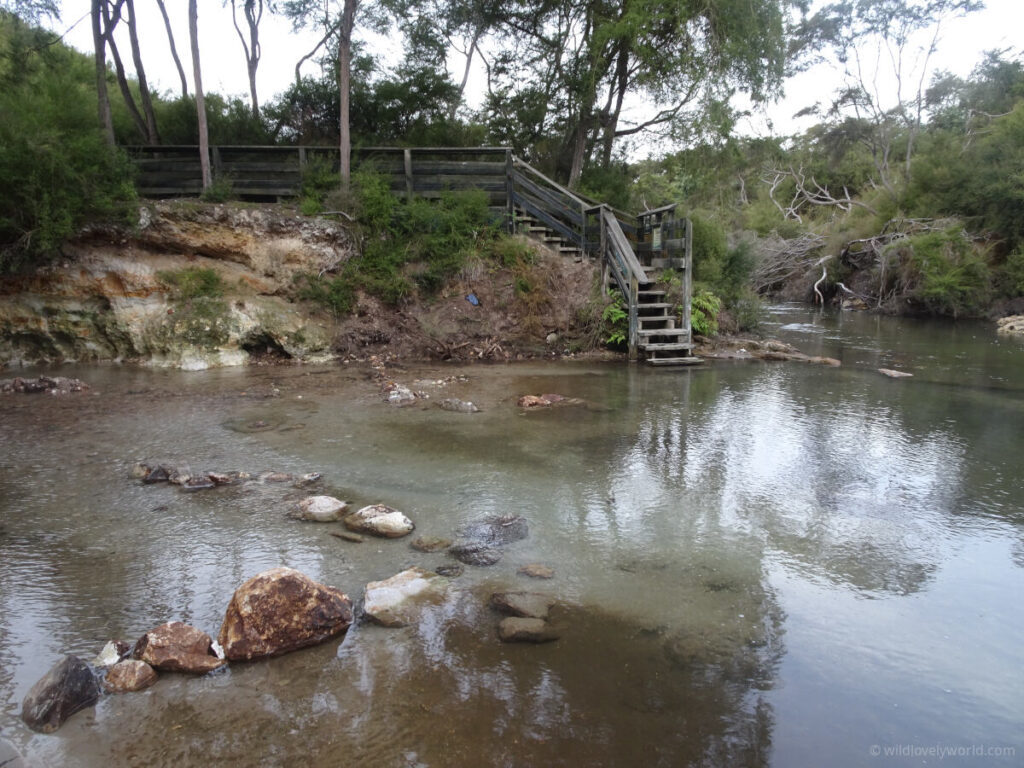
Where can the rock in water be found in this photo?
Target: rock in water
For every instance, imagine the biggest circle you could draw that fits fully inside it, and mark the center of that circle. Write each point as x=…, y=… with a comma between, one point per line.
x=279, y=611
x=177, y=647
x=497, y=529
x=319, y=509
x=458, y=406
x=474, y=553
x=527, y=605
x=129, y=676
x=379, y=520
x=537, y=571
x=68, y=687
x=517, y=630
x=112, y=652
x=398, y=601
x=429, y=544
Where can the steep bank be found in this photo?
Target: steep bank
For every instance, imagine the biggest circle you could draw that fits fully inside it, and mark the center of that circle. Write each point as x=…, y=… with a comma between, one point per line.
x=113, y=296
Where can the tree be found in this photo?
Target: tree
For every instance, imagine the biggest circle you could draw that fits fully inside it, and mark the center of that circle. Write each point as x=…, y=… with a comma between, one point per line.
x=589, y=59
x=174, y=49
x=100, y=57
x=339, y=23
x=32, y=10
x=204, y=134
x=252, y=10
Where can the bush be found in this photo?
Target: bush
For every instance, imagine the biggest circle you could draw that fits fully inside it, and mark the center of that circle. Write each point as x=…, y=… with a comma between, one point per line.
x=194, y=283
x=704, y=309
x=57, y=171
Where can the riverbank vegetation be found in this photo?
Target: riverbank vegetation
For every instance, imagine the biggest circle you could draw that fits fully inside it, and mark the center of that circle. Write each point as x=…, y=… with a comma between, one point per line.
x=907, y=203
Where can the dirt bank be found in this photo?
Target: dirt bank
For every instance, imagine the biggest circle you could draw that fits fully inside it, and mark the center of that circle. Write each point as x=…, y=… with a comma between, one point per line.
x=112, y=296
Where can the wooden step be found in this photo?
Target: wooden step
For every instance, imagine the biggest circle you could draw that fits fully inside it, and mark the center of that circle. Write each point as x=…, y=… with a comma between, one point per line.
x=665, y=347
x=667, y=361
x=650, y=294
x=654, y=305
x=662, y=332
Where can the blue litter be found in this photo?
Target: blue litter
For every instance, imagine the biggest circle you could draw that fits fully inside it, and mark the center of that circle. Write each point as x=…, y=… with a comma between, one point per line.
x=472, y=299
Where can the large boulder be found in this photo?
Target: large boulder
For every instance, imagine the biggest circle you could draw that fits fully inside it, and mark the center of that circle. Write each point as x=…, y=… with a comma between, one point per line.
x=178, y=647
x=398, y=601
x=379, y=520
x=69, y=686
x=319, y=509
x=1011, y=326
x=279, y=611
x=129, y=676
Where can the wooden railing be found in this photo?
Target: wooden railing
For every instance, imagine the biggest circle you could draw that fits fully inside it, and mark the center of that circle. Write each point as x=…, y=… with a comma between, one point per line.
x=271, y=172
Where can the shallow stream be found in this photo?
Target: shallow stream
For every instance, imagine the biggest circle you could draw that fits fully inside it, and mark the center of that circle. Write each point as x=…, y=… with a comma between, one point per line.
x=756, y=564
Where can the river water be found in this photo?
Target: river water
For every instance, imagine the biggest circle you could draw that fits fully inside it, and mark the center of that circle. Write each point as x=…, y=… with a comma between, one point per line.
x=757, y=564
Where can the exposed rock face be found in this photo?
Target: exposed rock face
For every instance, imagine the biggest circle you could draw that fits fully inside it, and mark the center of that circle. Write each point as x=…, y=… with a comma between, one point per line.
x=518, y=630
x=129, y=676
x=108, y=301
x=68, y=687
x=1011, y=326
x=178, y=647
x=398, y=601
x=528, y=605
x=279, y=611
x=319, y=509
x=379, y=520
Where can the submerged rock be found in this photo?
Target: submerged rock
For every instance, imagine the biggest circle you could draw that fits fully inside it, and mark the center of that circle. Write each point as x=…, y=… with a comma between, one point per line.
x=198, y=483
x=520, y=630
x=69, y=686
x=894, y=374
x=1010, y=326
x=474, y=553
x=497, y=529
x=279, y=611
x=277, y=477
x=178, y=647
x=451, y=571
x=54, y=385
x=398, y=394
x=158, y=474
x=429, y=544
x=319, y=509
x=543, y=401
x=399, y=601
x=458, y=406
x=129, y=676
x=537, y=571
x=379, y=520
x=529, y=605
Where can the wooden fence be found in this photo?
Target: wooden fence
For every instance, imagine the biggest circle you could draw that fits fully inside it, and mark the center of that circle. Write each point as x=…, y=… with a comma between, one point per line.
x=269, y=172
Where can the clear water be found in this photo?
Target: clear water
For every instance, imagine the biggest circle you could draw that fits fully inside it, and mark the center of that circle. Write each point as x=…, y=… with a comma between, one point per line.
x=756, y=563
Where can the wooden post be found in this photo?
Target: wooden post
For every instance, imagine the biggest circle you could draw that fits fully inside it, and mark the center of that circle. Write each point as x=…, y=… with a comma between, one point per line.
x=407, y=154
x=302, y=159
x=510, y=205
x=631, y=300
x=688, y=279
x=218, y=166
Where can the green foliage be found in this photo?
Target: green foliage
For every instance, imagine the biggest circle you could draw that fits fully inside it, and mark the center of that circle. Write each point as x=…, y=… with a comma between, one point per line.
x=58, y=174
x=319, y=180
x=194, y=282
x=943, y=272
x=615, y=321
x=1011, y=275
x=704, y=309
x=709, y=249
x=220, y=190
x=338, y=294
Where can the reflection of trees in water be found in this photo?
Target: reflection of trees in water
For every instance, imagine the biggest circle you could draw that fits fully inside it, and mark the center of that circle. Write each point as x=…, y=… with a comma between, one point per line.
x=844, y=487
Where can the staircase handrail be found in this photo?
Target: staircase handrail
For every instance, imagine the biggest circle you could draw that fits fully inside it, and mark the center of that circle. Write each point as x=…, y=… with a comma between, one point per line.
x=616, y=251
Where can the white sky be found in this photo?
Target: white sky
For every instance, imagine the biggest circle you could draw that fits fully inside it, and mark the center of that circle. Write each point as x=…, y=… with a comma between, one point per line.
x=1000, y=25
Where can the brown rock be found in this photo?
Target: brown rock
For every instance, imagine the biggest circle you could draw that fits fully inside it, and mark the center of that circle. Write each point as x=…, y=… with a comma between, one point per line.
x=68, y=687
x=530, y=605
x=429, y=544
x=537, y=571
x=129, y=676
x=518, y=630
x=279, y=611
x=177, y=647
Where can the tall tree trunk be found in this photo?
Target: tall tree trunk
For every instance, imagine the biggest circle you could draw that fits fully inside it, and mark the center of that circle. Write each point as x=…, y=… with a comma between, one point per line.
x=174, y=50
x=465, y=73
x=102, y=97
x=204, y=134
x=110, y=21
x=153, y=137
x=348, y=19
x=612, y=118
x=253, y=11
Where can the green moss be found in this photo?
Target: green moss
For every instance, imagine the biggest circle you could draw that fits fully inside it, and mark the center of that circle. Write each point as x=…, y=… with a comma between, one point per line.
x=194, y=282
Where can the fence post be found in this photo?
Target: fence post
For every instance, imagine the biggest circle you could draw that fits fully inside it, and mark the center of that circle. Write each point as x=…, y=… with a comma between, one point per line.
x=407, y=156
x=218, y=166
x=510, y=205
x=631, y=301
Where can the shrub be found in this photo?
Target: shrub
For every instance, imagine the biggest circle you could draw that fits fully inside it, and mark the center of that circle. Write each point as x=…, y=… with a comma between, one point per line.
x=194, y=283
x=615, y=321
x=704, y=309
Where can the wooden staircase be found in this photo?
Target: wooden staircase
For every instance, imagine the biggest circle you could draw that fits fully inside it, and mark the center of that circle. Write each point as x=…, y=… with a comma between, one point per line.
x=574, y=226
